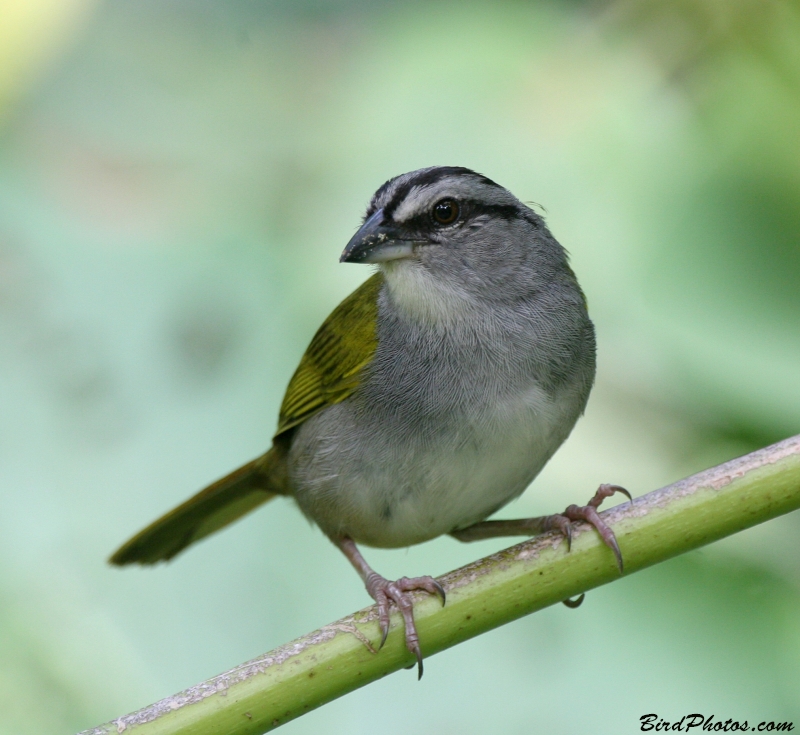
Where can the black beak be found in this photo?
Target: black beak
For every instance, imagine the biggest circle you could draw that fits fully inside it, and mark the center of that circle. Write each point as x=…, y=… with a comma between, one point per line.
x=377, y=242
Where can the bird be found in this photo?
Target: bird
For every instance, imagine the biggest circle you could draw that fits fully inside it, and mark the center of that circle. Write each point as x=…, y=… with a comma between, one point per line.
x=430, y=397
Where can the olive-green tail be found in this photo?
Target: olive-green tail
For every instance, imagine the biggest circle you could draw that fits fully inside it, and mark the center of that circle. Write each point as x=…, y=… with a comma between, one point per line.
x=211, y=509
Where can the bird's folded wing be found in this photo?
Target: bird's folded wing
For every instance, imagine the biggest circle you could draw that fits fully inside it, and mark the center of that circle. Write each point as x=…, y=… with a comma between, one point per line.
x=330, y=369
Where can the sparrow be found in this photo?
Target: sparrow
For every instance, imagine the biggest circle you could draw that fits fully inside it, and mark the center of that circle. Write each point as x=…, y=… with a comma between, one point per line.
x=430, y=397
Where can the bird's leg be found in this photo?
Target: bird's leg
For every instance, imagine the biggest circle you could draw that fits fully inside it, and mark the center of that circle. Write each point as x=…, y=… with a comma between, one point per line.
x=561, y=522
x=383, y=592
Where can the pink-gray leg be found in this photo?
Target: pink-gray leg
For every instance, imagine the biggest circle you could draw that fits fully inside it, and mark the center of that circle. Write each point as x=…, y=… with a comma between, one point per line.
x=561, y=522
x=385, y=592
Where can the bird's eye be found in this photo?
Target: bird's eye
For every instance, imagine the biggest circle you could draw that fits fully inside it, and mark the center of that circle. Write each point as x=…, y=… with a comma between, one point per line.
x=445, y=211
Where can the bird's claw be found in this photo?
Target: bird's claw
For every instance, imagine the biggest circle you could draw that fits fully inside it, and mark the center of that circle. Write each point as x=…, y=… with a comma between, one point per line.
x=562, y=522
x=385, y=592
x=606, y=491
x=440, y=593
x=574, y=602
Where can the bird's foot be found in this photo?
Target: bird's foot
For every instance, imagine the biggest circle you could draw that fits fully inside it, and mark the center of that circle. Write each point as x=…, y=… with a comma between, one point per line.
x=562, y=522
x=385, y=592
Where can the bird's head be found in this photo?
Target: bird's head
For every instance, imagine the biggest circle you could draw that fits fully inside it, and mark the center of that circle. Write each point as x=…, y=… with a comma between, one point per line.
x=451, y=237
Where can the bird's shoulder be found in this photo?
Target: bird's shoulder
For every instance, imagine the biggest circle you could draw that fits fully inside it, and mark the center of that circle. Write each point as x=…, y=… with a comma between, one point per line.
x=331, y=367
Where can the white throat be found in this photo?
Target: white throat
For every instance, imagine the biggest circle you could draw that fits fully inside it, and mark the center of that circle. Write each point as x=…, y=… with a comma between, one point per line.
x=423, y=297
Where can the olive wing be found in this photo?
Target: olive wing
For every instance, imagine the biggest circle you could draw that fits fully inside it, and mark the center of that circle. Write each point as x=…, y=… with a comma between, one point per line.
x=330, y=369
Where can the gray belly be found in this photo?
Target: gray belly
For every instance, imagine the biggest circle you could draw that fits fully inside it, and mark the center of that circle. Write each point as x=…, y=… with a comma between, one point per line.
x=364, y=473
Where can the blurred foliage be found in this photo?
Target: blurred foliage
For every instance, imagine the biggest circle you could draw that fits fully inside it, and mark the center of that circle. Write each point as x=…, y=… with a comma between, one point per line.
x=31, y=34
x=177, y=179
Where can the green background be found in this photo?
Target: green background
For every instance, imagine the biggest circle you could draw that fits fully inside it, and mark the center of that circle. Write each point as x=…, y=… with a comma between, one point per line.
x=177, y=180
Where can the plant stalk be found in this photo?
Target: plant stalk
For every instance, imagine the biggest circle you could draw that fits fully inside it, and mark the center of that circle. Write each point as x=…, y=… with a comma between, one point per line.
x=289, y=681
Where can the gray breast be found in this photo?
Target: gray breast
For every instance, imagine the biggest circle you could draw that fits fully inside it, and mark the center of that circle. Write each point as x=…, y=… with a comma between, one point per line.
x=451, y=421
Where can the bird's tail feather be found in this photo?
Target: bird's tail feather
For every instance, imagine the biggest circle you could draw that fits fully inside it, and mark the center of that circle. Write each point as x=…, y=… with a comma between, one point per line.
x=216, y=506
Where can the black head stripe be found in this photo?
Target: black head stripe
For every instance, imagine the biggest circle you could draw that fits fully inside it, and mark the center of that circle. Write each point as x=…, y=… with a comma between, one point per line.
x=429, y=176
x=424, y=177
x=473, y=208
x=376, y=197
x=500, y=211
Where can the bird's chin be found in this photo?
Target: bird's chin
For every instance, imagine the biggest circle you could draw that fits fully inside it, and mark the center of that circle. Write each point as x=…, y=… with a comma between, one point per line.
x=423, y=296
x=399, y=268
x=390, y=252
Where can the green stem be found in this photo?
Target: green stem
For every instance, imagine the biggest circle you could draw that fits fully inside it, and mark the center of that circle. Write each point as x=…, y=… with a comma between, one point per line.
x=294, y=679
